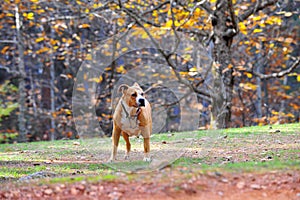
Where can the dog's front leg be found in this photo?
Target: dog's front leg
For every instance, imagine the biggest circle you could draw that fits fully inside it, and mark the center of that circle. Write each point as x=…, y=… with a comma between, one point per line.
x=128, y=145
x=115, y=142
x=147, y=157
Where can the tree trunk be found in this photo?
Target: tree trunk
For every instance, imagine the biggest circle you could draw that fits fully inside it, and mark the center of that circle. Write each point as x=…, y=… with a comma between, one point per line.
x=22, y=92
x=52, y=92
x=259, y=94
x=224, y=31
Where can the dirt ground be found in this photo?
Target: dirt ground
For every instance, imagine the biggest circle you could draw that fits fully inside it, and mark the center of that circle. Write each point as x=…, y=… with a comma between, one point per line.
x=179, y=183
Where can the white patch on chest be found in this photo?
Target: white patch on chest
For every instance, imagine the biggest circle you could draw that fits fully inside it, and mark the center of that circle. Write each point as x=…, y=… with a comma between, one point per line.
x=130, y=123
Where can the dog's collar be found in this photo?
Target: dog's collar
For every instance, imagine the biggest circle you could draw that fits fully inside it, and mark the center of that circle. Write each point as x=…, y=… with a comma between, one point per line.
x=128, y=114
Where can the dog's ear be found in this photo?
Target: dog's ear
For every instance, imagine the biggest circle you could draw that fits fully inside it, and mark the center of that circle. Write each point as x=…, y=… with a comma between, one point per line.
x=137, y=85
x=122, y=88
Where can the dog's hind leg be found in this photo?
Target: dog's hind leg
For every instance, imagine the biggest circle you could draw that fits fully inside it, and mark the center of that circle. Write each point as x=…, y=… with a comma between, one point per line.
x=128, y=145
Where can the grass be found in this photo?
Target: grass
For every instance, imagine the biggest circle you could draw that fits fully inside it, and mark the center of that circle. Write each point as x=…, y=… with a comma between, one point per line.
x=238, y=149
x=249, y=166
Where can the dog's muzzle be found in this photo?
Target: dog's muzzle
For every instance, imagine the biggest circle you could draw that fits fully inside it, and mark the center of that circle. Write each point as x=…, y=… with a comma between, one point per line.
x=141, y=102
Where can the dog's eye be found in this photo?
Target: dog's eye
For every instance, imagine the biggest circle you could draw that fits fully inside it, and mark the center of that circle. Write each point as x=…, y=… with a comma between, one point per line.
x=142, y=94
x=134, y=95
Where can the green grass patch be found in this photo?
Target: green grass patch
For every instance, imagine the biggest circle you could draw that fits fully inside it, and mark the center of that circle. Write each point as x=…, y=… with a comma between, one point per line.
x=250, y=166
x=17, y=172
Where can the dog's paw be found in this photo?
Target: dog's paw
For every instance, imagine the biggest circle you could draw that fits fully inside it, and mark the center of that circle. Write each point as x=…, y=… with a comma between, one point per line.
x=147, y=159
x=111, y=160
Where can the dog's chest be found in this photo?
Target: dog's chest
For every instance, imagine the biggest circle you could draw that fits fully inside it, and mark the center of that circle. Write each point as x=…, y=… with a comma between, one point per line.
x=130, y=122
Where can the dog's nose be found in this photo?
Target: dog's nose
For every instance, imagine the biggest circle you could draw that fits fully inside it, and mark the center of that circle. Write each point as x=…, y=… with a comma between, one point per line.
x=141, y=102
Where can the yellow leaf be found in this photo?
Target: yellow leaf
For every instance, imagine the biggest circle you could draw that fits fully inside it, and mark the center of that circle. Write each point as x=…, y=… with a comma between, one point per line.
x=144, y=35
x=274, y=20
x=243, y=28
x=69, y=41
x=249, y=75
x=290, y=115
x=77, y=38
x=30, y=16
x=198, y=12
x=298, y=77
x=187, y=56
x=163, y=76
x=121, y=69
x=124, y=49
x=169, y=23
x=80, y=89
x=257, y=18
x=68, y=112
x=286, y=87
x=4, y=50
x=272, y=45
x=43, y=50
x=84, y=26
x=121, y=21
x=193, y=69
x=95, y=5
x=10, y=15
x=183, y=73
x=97, y=80
x=39, y=39
x=88, y=57
x=275, y=112
x=248, y=86
x=257, y=30
x=262, y=24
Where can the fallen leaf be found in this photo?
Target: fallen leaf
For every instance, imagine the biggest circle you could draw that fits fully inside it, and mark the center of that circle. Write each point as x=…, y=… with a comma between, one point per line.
x=48, y=191
x=76, y=143
x=240, y=185
x=255, y=186
x=74, y=191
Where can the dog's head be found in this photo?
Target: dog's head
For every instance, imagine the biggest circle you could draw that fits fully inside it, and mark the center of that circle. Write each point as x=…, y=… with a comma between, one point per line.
x=132, y=95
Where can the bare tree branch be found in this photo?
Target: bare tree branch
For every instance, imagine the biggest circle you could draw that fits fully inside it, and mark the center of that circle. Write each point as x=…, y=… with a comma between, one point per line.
x=260, y=5
x=81, y=15
x=167, y=56
x=198, y=4
x=197, y=32
x=8, y=41
x=232, y=15
x=203, y=4
x=155, y=8
x=132, y=13
x=279, y=74
x=8, y=70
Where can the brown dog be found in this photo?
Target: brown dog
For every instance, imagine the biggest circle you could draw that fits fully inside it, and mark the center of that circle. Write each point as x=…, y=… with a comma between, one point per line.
x=131, y=118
